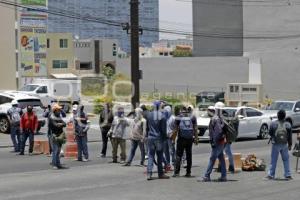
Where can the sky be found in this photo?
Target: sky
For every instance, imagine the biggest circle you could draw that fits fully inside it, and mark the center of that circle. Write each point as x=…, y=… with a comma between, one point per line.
x=176, y=15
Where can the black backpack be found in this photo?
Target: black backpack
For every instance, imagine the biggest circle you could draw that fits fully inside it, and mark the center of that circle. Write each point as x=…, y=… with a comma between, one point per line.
x=231, y=130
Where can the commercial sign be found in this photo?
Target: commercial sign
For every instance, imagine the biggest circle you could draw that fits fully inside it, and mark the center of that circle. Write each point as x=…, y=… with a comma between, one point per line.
x=33, y=44
x=40, y=3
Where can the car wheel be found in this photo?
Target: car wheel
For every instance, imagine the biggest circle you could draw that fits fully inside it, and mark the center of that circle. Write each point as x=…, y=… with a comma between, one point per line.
x=264, y=132
x=4, y=125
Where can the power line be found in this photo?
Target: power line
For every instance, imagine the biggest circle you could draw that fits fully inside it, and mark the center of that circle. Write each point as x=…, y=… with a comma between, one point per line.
x=215, y=34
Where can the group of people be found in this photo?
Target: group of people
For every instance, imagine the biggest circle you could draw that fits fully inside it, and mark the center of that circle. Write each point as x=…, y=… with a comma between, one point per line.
x=164, y=137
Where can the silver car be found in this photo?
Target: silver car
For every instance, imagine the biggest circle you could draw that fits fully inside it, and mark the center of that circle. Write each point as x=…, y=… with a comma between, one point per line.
x=252, y=122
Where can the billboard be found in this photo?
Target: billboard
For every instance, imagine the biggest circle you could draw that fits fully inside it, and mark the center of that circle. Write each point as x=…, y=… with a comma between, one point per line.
x=39, y=3
x=33, y=44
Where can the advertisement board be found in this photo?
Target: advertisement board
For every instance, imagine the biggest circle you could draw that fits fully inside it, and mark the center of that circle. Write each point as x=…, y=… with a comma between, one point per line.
x=33, y=45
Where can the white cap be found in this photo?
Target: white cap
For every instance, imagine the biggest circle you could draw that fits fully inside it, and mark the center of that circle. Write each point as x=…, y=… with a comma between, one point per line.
x=219, y=105
x=14, y=102
x=211, y=108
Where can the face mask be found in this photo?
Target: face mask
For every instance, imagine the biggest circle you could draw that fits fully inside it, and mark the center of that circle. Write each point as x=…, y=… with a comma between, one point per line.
x=57, y=114
x=120, y=114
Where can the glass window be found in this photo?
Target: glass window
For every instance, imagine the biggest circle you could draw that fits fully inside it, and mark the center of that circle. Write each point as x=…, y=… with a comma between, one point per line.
x=252, y=113
x=57, y=64
x=287, y=106
x=42, y=90
x=4, y=99
x=48, y=43
x=63, y=43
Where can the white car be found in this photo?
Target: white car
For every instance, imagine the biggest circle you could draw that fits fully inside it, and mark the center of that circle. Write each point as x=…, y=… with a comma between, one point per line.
x=6, y=97
x=252, y=122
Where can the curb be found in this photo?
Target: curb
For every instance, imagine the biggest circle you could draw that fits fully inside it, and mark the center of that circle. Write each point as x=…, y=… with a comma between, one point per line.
x=10, y=146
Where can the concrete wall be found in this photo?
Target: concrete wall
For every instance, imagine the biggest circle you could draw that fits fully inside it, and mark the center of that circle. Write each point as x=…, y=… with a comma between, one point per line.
x=196, y=74
x=215, y=18
x=57, y=53
x=280, y=74
x=7, y=49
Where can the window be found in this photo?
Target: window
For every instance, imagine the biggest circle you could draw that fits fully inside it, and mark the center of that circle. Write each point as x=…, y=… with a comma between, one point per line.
x=57, y=64
x=48, y=43
x=234, y=89
x=297, y=106
x=42, y=90
x=63, y=43
x=4, y=99
x=85, y=65
x=252, y=113
x=247, y=89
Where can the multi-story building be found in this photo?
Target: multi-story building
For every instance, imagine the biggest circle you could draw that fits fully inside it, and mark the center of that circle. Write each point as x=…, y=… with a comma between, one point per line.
x=68, y=57
x=217, y=28
x=103, y=10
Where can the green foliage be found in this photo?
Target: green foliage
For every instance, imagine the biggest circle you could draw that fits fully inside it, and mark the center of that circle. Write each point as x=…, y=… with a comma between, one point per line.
x=108, y=72
x=182, y=53
x=99, y=103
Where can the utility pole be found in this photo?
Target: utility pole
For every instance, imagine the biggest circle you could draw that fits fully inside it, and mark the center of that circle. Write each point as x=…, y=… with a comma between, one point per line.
x=135, y=72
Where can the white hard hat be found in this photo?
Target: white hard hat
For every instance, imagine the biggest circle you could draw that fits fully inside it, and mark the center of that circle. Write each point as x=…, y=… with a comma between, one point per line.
x=14, y=102
x=211, y=108
x=219, y=105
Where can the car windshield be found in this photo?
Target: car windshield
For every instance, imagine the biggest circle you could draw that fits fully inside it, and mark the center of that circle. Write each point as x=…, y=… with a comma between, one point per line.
x=229, y=112
x=23, y=103
x=29, y=88
x=288, y=106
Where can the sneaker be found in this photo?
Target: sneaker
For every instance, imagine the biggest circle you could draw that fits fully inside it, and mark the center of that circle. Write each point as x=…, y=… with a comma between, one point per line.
x=55, y=168
x=204, y=179
x=77, y=159
x=267, y=178
x=288, y=178
x=164, y=177
x=114, y=161
x=21, y=154
x=103, y=156
x=62, y=167
x=231, y=169
x=175, y=175
x=188, y=175
x=30, y=154
x=222, y=179
x=127, y=164
x=122, y=161
x=146, y=157
x=149, y=177
x=85, y=160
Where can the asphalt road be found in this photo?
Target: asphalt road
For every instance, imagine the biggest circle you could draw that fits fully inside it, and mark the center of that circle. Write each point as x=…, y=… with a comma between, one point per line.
x=31, y=177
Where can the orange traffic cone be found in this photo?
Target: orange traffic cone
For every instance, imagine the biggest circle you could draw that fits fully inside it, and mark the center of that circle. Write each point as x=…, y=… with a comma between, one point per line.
x=71, y=146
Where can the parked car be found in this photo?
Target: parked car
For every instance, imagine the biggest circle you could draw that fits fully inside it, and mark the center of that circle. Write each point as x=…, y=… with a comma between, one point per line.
x=6, y=97
x=65, y=92
x=252, y=122
x=292, y=109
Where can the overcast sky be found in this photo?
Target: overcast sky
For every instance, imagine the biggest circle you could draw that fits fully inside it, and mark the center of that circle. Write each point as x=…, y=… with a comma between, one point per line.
x=176, y=15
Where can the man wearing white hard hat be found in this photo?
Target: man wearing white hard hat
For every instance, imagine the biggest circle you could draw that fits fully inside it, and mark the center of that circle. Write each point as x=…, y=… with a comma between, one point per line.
x=14, y=115
x=217, y=141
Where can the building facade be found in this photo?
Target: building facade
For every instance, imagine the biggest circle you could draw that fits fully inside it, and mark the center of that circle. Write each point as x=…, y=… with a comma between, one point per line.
x=113, y=10
x=217, y=28
x=68, y=57
x=8, y=65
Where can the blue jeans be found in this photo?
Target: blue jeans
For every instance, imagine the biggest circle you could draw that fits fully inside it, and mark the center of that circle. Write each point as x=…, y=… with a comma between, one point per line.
x=172, y=151
x=229, y=154
x=82, y=147
x=166, y=157
x=155, y=146
x=216, y=153
x=284, y=151
x=134, y=145
x=25, y=135
x=56, y=148
x=16, y=138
